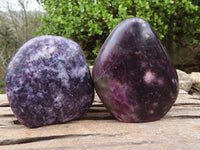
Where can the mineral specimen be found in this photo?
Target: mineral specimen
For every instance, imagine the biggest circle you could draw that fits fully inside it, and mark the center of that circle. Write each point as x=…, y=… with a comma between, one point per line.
x=48, y=81
x=133, y=75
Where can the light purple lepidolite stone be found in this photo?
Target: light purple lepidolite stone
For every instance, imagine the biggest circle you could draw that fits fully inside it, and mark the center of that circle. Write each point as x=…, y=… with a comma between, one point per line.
x=133, y=75
x=48, y=81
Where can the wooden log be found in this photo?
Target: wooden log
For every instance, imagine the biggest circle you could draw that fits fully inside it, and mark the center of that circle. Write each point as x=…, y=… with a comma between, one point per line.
x=179, y=129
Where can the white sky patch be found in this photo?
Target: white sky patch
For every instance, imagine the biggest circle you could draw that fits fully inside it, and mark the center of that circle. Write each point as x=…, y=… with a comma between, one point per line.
x=32, y=5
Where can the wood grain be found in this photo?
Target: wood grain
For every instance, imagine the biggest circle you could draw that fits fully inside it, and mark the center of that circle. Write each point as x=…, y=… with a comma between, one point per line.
x=178, y=130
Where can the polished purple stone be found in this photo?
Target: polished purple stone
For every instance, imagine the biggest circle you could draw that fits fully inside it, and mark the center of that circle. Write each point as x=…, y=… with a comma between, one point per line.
x=48, y=81
x=133, y=75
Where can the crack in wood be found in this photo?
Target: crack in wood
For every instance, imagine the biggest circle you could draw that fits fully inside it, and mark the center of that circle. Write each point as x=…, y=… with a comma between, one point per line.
x=188, y=117
x=99, y=118
x=183, y=117
x=97, y=110
x=7, y=115
x=189, y=104
x=4, y=105
x=39, y=139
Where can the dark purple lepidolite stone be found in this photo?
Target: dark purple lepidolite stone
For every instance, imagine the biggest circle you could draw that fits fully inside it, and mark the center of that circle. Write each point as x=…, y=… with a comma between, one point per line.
x=48, y=81
x=133, y=75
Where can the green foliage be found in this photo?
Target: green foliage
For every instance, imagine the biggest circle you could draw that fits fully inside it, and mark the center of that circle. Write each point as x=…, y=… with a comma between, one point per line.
x=174, y=20
x=8, y=46
x=2, y=83
x=2, y=86
x=89, y=23
x=2, y=92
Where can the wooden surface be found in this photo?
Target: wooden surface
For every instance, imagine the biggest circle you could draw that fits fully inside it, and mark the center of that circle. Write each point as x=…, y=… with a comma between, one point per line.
x=178, y=130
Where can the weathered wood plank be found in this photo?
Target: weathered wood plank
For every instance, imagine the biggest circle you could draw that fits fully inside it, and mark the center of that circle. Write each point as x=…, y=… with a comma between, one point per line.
x=3, y=100
x=179, y=129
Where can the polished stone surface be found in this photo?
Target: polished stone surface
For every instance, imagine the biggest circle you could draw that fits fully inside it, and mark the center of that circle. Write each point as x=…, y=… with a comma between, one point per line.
x=48, y=81
x=133, y=75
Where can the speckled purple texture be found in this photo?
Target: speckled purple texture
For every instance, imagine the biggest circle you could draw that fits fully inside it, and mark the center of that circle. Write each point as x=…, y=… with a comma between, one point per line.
x=48, y=81
x=133, y=75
